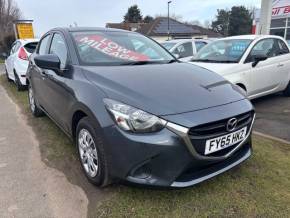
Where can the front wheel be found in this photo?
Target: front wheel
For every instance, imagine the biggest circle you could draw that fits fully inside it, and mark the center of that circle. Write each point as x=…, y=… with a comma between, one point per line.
x=35, y=110
x=286, y=92
x=90, y=148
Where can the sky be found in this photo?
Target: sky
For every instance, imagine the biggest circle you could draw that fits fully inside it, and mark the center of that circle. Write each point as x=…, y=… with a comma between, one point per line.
x=48, y=14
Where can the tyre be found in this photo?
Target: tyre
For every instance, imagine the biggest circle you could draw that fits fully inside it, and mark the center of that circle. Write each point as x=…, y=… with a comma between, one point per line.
x=7, y=77
x=35, y=110
x=90, y=148
x=286, y=92
x=19, y=86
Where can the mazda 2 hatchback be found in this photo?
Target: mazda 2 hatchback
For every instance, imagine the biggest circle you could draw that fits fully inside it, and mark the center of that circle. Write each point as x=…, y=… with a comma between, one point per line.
x=135, y=113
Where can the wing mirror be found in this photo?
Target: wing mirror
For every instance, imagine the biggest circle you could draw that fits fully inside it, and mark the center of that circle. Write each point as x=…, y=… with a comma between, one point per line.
x=258, y=58
x=48, y=62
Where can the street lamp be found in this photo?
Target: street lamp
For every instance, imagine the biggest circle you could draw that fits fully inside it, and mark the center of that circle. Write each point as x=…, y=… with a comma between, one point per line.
x=168, y=18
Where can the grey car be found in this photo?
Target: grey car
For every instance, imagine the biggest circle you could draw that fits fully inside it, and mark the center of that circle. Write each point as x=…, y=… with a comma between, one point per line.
x=135, y=113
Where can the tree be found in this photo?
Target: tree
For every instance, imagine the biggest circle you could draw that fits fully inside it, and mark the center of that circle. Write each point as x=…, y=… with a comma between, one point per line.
x=148, y=19
x=222, y=22
x=9, y=12
x=133, y=15
x=240, y=21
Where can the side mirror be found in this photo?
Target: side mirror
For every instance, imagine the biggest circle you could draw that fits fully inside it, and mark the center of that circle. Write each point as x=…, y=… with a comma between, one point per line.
x=258, y=58
x=49, y=62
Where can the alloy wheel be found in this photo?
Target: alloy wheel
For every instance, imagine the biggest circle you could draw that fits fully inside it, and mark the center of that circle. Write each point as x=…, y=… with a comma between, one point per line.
x=88, y=153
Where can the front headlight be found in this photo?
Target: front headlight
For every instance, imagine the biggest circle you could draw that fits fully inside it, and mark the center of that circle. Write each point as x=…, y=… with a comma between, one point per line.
x=132, y=119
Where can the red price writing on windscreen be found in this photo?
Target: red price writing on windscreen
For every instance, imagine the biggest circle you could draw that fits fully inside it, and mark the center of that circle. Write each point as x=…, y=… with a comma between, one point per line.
x=111, y=48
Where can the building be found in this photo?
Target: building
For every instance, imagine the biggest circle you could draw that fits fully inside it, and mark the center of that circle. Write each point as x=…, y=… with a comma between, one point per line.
x=280, y=19
x=158, y=29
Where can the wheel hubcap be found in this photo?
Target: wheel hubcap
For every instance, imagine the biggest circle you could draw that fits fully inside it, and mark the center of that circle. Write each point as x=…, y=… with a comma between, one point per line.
x=31, y=99
x=88, y=153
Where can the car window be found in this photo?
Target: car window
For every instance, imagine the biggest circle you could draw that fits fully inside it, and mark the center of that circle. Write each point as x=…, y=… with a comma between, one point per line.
x=168, y=45
x=30, y=47
x=223, y=51
x=58, y=47
x=283, y=47
x=184, y=50
x=117, y=48
x=199, y=45
x=43, y=45
x=265, y=47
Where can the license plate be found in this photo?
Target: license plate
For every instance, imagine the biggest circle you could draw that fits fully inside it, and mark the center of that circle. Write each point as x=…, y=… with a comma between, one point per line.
x=222, y=142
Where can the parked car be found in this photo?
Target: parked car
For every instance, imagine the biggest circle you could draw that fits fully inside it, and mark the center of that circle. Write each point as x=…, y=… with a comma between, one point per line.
x=288, y=41
x=17, y=62
x=259, y=65
x=135, y=112
x=185, y=49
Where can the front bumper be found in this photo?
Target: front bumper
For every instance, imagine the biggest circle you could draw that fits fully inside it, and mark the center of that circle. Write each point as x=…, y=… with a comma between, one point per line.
x=168, y=158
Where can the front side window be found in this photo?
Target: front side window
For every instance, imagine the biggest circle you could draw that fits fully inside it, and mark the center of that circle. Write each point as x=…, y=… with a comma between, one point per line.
x=283, y=47
x=266, y=47
x=58, y=47
x=43, y=45
x=117, y=48
x=184, y=50
x=223, y=51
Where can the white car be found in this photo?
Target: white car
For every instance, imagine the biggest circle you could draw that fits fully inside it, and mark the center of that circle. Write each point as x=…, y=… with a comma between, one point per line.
x=259, y=65
x=185, y=49
x=16, y=63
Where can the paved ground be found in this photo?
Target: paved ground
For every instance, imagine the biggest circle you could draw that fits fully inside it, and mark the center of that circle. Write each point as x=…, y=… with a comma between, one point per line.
x=1, y=69
x=273, y=116
x=28, y=187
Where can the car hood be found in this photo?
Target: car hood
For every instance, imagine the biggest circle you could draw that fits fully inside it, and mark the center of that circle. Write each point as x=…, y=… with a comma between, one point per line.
x=220, y=68
x=163, y=89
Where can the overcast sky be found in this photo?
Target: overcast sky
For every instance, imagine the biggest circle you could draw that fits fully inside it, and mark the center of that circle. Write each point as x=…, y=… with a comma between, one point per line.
x=54, y=13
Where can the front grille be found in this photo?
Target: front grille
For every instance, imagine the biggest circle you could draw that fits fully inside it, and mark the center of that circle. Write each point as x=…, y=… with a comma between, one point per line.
x=219, y=127
x=199, y=134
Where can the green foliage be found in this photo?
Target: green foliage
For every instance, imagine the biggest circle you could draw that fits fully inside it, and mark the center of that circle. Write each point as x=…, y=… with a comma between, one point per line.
x=133, y=15
x=148, y=19
x=237, y=21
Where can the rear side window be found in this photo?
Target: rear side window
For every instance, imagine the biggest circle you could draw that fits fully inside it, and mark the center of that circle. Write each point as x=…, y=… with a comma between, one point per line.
x=43, y=45
x=30, y=47
x=184, y=50
x=199, y=45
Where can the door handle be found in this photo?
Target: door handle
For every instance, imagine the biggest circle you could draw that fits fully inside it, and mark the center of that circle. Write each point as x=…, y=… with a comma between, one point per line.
x=280, y=65
x=43, y=73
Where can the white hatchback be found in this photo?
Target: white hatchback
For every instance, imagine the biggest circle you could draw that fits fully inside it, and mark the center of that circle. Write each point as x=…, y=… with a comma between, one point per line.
x=16, y=63
x=258, y=64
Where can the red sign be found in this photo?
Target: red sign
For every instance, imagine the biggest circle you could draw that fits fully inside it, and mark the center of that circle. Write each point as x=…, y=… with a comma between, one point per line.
x=281, y=11
x=108, y=47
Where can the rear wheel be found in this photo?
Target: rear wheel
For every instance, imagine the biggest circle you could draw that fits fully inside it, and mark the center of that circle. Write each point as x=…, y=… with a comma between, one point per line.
x=90, y=148
x=19, y=86
x=35, y=110
x=286, y=92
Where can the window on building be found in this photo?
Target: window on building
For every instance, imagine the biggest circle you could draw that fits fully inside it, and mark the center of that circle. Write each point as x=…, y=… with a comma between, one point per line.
x=276, y=23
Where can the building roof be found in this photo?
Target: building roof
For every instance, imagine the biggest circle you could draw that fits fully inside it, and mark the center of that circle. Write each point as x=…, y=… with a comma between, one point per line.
x=159, y=27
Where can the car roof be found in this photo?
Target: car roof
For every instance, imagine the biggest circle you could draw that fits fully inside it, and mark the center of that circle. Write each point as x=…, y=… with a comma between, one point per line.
x=25, y=41
x=179, y=40
x=78, y=29
x=251, y=37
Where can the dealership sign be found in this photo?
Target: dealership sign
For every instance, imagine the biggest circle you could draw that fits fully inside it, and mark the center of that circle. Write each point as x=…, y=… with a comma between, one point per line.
x=281, y=8
x=24, y=30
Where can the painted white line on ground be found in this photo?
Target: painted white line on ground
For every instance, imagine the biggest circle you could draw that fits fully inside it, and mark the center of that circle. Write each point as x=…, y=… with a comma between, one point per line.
x=271, y=137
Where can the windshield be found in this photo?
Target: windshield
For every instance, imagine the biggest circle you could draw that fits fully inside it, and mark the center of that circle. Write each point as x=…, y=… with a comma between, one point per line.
x=224, y=51
x=168, y=45
x=118, y=48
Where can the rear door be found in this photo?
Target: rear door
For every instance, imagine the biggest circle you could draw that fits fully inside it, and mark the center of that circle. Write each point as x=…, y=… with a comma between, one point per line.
x=10, y=60
x=283, y=71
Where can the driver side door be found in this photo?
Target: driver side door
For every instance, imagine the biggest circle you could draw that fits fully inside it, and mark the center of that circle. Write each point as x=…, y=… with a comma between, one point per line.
x=263, y=78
